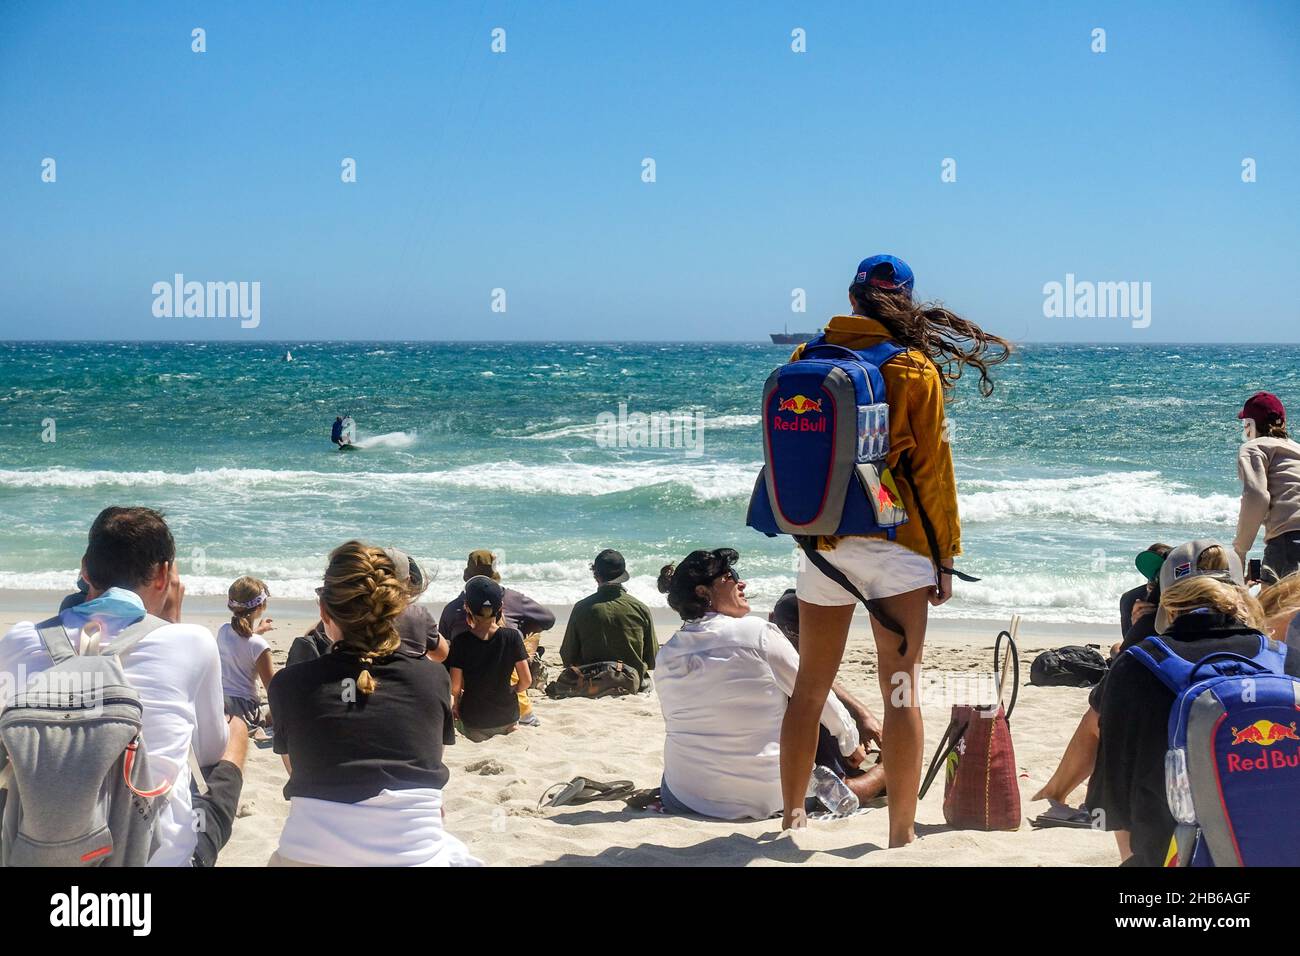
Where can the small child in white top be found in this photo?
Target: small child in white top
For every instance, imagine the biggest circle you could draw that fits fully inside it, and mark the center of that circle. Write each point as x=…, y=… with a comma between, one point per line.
x=245, y=654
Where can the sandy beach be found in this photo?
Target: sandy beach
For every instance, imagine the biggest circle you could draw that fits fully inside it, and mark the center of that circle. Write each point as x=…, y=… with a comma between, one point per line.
x=494, y=788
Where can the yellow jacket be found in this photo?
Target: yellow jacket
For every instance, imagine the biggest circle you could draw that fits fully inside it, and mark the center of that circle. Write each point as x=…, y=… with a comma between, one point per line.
x=917, y=429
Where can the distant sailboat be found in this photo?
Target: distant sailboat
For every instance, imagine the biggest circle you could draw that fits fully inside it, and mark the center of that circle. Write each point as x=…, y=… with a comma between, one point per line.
x=288, y=356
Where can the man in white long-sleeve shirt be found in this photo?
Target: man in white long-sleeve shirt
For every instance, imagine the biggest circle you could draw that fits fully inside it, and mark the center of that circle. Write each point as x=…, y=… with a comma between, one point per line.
x=724, y=680
x=1269, y=467
x=130, y=566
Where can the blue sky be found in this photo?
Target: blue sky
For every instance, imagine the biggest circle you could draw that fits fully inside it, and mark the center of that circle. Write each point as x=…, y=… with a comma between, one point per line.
x=775, y=170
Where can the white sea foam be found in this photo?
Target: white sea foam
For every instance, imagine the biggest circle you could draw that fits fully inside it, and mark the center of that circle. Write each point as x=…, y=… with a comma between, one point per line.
x=706, y=481
x=1117, y=498
x=388, y=440
x=1043, y=597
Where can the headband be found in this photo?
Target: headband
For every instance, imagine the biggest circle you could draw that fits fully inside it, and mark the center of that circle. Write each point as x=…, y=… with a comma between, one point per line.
x=248, y=605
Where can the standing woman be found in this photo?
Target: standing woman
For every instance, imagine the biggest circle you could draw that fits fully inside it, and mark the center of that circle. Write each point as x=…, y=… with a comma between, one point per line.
x=361, y=730
x=903, y=576
x=1269, y=467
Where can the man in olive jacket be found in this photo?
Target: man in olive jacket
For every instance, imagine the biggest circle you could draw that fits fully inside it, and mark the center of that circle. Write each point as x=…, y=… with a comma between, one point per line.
x=611, y=625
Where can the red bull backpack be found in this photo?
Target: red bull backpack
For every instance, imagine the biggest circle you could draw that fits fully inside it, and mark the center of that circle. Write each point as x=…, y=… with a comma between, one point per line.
x=1232, y=771
x=825, y=438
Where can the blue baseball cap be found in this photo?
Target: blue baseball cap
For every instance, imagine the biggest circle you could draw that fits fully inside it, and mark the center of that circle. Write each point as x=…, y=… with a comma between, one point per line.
x=885, y=272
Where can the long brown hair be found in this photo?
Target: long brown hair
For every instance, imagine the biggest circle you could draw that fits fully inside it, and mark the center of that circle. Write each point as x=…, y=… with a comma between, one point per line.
x=364, y=596
x=943, y=336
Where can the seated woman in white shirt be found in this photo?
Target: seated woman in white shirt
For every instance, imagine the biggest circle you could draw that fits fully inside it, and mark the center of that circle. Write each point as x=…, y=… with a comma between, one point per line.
x=362, y=729
x=724, y=680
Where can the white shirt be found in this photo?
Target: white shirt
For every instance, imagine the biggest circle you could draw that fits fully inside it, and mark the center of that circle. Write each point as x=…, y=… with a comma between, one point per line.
x=723, y=683
x=392, y=828
x=177, y=673
x=239, y=662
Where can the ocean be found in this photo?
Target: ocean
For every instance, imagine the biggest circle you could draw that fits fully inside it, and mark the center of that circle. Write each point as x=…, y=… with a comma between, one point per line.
x=1083, y=456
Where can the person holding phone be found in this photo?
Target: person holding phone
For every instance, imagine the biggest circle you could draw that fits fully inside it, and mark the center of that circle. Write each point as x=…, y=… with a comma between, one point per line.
x=1269, y=467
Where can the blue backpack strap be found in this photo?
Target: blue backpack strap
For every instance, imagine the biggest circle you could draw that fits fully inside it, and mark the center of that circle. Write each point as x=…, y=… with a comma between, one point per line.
x=1272, y=655
x=1173, y=671
x=1178, y=674
x=827, y=350
x=881, y=352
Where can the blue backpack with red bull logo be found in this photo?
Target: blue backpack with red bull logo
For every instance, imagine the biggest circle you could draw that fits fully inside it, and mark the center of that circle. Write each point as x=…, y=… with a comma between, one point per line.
x=825, y=438
x=1232, y=770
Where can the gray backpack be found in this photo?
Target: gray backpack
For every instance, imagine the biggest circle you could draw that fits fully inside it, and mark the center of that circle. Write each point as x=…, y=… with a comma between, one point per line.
x=74, y=775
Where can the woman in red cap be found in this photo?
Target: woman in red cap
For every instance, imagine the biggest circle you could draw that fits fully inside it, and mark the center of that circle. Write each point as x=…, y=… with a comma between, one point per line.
x=1269, y=466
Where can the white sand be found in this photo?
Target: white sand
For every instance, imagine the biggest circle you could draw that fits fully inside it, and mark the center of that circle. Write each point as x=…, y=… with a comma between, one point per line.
x=494, y=788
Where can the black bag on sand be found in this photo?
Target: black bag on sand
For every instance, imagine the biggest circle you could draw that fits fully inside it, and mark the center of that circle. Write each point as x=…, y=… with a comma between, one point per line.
x=602, y=679
x=1071, y=666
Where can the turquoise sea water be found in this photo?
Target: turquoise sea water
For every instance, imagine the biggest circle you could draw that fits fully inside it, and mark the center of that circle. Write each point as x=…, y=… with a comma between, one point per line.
x=1083, y=455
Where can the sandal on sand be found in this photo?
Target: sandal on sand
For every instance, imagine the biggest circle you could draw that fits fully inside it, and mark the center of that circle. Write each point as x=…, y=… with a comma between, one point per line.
x=644, y=799
x=580, y=790
x=1063, y=815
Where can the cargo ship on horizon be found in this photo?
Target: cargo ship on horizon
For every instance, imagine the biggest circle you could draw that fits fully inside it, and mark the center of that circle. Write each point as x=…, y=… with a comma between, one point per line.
x=790, y=338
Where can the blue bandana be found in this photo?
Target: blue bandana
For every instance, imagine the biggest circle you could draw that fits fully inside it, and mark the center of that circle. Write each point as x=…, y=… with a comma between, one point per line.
x=114, y=609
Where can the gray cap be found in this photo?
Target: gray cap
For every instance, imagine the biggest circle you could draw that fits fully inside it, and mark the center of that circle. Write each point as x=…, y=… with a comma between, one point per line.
x=1180, y=565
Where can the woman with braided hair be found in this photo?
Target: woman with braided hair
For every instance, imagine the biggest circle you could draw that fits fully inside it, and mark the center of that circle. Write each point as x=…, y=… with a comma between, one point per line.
x=361, y=730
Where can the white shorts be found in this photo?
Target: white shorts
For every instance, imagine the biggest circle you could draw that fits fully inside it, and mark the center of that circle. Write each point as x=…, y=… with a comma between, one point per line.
x=878, y=567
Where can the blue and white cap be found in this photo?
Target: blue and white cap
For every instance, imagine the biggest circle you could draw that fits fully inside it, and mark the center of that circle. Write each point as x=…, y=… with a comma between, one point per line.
x=885, y=272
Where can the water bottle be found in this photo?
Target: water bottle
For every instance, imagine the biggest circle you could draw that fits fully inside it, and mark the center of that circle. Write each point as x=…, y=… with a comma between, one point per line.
x=1178, y=786
x=833, y=793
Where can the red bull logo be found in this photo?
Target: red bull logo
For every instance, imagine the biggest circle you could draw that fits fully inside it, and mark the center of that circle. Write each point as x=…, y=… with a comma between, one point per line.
x=1265, y=733
x=800, y=404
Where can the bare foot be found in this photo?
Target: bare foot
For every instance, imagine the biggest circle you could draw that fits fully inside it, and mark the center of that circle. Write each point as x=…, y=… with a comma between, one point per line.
x=797, y=820
x=911, y=835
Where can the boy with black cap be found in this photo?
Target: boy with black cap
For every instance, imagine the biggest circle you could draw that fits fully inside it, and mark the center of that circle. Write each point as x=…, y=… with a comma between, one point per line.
x=482, y=661
x=518, y=610
x=611, y=625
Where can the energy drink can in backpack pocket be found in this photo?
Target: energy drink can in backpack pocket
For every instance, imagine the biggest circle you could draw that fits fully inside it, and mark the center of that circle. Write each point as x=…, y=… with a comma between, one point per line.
x=873, y=432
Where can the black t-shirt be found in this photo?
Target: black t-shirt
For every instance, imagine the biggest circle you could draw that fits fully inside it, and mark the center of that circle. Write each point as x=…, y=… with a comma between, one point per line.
x=308, y=647
x=1128, y=783
x=347, y=746
x=1142, y=628
x=488, y=699
x=418, y=630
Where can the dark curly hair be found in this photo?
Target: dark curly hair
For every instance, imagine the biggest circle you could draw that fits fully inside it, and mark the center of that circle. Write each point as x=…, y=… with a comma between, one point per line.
x=698, y=569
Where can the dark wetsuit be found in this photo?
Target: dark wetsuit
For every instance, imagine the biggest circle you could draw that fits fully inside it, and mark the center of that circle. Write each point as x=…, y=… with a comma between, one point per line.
x=336, y=433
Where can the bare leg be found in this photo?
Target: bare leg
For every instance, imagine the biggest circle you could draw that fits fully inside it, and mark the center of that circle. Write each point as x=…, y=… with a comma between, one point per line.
x=869, y=785
x=904, y=731
x=1077, y=762
x=823, y=632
